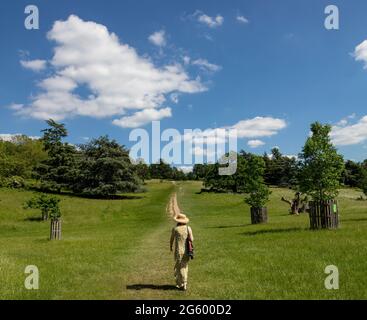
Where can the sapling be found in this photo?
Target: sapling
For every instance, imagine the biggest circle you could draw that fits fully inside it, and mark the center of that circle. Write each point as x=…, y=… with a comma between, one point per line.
x=49, y=206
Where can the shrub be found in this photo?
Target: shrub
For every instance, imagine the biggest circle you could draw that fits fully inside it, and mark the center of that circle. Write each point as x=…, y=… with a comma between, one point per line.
x=12, y=182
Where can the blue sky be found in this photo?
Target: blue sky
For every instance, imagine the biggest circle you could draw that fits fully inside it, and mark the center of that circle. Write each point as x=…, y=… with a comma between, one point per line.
x=259, y=62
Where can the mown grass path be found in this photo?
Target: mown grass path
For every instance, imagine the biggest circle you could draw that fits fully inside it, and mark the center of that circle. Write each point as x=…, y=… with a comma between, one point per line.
x=120, y=249
x=151, y=274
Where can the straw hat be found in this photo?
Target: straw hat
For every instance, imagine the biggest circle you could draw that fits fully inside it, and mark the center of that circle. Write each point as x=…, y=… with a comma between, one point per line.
x=181, y=218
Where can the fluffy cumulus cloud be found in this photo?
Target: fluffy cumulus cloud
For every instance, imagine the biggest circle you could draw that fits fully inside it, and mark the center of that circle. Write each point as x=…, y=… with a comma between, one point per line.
x=255, y=143
x=34, y=65
x=142, y=117
x=97, y=75
x=211, y=22
x=346, y=133
x=258, y=127
x=360, y=53
x=212, y=143
x=158, y=38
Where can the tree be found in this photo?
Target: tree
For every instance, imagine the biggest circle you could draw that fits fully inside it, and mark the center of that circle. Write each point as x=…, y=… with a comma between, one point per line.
x=353, y=174
x=19, y=156
x=103, y=169
x=227, y=183
x=365, y=188
x=280, y=170
x=257, y=192
x=142, y=170
x=49, y=206
x=258, y=196
x=321, y=166
x=200, y=171
x=160, y=170
x=364, y=179
x=364, y=182
x=55, y=172
x=178, y=174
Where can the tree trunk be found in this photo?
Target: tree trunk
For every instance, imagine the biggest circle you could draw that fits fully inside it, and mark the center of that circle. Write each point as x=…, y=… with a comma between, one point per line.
x=44, y=215
x=55, y=230
x=294, y=205
x=259, y=215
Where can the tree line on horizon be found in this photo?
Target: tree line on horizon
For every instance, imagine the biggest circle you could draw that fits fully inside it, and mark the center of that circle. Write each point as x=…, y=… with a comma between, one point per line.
x=102, y=167
x=279, y=170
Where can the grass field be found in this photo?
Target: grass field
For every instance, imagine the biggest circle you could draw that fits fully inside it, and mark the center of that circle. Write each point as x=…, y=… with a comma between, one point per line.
x=119, y=249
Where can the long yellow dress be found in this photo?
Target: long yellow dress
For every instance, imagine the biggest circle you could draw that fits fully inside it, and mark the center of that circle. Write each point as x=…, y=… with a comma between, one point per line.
x=178, y=237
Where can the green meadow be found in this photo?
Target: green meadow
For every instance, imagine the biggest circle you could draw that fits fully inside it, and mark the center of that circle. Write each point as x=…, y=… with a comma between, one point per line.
x=119, y=249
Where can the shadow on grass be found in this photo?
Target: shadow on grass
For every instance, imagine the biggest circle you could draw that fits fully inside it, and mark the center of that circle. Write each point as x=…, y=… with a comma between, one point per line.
x=272, y=231
x=137, y=287
x=34, y=219
x=228, y=227
x=86, y=196
x=353, y=220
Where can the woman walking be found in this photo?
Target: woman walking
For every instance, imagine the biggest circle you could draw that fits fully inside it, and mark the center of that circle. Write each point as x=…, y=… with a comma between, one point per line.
x=180, y=236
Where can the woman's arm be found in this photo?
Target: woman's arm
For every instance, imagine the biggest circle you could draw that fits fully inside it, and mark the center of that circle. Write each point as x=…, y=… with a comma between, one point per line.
x=191, y=234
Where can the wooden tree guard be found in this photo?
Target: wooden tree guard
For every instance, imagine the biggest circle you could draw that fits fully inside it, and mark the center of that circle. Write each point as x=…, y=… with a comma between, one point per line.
x=55, y=232
x=324, y=214
x=259, y=215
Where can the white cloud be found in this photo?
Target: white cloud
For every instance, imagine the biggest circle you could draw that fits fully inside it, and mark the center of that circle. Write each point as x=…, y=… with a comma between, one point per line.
x=291, y=156
x=360, y=53
x=203, y=64
x=212, y=142
x=242, y=19
x=34, y=65
x=202, y=152
x=259, y=127
x=158, y=38
x=9, y=137
x=350, y=134
x=211, y=22
x=186, y=169
x=255, y=143
x=121, y=82
x=142, y=117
